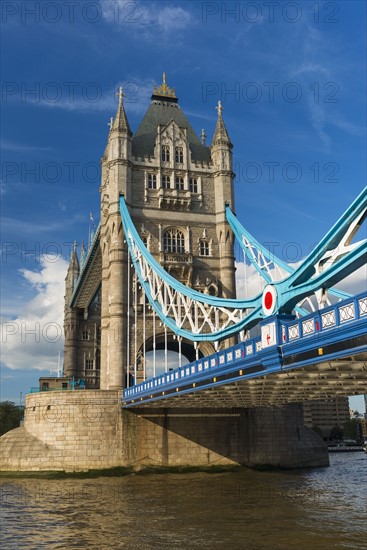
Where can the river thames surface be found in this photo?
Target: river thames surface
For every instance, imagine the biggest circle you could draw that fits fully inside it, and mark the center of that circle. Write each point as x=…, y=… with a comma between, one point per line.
x=317, y=509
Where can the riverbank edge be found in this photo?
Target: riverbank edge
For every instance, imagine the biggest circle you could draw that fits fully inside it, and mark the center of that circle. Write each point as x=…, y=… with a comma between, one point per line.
x=144, y=470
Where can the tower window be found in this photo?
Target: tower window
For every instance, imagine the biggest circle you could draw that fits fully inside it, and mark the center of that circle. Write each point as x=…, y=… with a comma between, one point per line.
x=145, y=240
x=165, y=153
x=193, y=185
x=204, y=248
x=166, y=182
x=179, y=155
x=152, y=181
x=85, y=334
x=89, y=363
x=174, y=241
x=180, y=185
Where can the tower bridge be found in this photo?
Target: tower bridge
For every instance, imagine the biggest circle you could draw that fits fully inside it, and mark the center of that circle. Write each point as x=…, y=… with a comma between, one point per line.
x=159, y=276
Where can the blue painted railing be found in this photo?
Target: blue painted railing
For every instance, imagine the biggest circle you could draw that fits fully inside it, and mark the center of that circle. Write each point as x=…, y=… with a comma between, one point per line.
x=322, y=322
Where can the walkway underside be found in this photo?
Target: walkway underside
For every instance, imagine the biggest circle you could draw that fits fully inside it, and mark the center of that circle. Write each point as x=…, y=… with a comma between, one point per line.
x=320, y=381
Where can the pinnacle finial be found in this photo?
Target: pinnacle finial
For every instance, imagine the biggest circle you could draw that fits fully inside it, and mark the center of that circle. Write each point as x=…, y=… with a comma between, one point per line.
x=164, y=89
x=75, y=246
x=203, y=137
x=121, y=94
x=219, y=108
x=220, y=134
x=110, y=124
x=120, y=122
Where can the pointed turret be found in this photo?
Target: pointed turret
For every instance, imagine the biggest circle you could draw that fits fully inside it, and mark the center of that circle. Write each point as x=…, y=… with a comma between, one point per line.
x=119, y=138
x=83, y=255
x=221, y=152
x=221, y=135
x=203, y=137
x=121, y=124
x=73, y=270
x=71, y=324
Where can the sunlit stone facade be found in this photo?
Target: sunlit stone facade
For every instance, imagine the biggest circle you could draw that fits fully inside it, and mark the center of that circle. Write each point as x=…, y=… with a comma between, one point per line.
x=176, y=188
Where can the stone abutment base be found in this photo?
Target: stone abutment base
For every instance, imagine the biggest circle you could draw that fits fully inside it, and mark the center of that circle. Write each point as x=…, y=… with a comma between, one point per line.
x=88, y=430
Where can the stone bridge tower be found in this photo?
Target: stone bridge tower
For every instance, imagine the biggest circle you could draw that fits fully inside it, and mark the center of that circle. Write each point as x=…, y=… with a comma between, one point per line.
x=176, y=188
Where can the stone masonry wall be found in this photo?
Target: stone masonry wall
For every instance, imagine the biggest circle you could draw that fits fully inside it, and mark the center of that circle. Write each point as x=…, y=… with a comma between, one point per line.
x=83, y=430
x=66, y=430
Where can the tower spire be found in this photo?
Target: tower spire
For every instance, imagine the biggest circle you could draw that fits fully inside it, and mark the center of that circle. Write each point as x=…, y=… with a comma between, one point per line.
x=73, y=269
x=203, y=137
x=220, y=134
x=121, y=124
x=74, y=262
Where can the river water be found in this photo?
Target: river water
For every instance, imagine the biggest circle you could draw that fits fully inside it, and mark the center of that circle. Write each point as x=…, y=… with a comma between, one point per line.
x=317, y=509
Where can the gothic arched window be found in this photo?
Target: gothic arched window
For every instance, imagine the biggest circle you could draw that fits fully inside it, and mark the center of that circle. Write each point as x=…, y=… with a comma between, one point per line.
x=145, y=239
x=174, y=241
x=152, y=181
x=180, y=184
x=89, y=364
x=166, y=182
x=179, y=155
x=165, y=153
x=193, y=185
x=204, y=248
x=85, y=334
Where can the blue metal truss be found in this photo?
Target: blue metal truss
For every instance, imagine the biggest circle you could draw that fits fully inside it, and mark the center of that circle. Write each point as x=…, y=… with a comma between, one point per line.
x=333, y=259
x=248, y=244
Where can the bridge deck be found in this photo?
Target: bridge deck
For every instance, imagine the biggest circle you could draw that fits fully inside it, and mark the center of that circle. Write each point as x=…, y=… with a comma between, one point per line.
x=315, y=357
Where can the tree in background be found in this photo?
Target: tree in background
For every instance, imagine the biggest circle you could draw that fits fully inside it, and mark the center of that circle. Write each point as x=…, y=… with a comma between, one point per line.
x=336, y=433
x=350, y=429
x=10, y=416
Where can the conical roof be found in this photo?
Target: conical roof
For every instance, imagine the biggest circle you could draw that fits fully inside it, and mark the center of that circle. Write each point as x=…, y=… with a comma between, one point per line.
x=120, y=123
x=221, y=136
x=74, y=261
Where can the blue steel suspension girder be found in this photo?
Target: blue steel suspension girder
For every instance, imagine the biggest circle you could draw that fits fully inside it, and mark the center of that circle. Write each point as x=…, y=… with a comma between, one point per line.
x=300, y=283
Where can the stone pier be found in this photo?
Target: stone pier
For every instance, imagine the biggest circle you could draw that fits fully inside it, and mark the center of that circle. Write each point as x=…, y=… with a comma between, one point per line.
x=85, y=430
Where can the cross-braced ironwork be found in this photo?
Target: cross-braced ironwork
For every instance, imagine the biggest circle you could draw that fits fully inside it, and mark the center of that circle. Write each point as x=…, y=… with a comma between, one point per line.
x=199, y=317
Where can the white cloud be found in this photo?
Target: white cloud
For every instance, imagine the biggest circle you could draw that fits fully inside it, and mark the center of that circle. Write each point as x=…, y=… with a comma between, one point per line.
x=347, y=126
x=249, y=279
x=7, y=145
x=137, y=96
x=356, y=282
x=33, y=339
x=173, y=18
x=312, y=72
x=17, y=226
x=151, y=17
x=307, y=67
x=318, y=121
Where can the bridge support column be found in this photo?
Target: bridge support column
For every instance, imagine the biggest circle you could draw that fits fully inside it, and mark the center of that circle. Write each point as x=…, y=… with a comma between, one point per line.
x=277, y=437
x=265, y=437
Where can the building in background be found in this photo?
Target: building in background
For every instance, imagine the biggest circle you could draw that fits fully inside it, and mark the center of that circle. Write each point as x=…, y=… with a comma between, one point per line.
x=325, y=416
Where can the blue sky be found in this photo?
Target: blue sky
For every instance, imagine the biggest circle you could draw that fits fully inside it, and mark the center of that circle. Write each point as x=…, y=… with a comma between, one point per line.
x=292, y=82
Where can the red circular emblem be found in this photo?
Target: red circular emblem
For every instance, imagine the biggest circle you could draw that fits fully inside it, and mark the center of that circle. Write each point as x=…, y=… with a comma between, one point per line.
x=268, y=300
